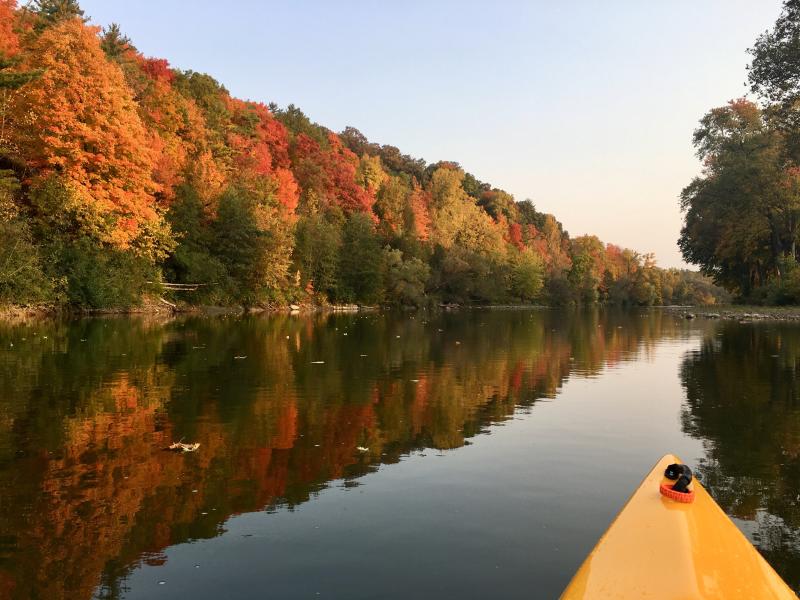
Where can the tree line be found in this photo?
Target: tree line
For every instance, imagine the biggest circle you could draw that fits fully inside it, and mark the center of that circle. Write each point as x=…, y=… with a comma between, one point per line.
x=119, y=173
x=742, y=214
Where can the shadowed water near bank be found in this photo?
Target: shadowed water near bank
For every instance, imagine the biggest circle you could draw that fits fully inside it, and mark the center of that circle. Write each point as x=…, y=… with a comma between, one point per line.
x=478, y=453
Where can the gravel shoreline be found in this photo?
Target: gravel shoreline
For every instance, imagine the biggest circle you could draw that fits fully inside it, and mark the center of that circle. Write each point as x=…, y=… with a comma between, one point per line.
x=743, y=314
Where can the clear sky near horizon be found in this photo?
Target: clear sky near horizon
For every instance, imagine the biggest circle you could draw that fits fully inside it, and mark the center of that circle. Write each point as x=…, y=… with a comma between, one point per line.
x=585, y=107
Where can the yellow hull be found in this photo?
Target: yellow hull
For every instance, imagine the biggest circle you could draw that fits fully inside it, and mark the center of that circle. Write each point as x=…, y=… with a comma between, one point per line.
x=658, y=548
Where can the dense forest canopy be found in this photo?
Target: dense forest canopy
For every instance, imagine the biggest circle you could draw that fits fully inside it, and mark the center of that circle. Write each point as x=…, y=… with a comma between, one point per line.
x=742, y=214
x=119, y=173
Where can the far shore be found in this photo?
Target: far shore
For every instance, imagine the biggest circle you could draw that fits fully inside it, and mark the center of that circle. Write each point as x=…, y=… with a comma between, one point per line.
x=741, y=313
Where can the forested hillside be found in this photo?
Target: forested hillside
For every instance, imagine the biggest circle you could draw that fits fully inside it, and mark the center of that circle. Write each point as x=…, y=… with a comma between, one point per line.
x=119, y=173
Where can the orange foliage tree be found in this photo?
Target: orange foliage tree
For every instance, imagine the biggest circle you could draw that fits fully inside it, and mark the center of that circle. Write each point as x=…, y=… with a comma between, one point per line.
x=79, y=120
x=9, y=43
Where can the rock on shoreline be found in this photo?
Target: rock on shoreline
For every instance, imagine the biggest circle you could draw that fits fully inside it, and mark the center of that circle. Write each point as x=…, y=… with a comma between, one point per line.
x=743, y=314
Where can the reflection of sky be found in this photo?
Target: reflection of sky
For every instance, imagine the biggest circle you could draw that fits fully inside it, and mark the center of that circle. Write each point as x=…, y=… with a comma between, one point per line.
x=516, y=510
x=586, y=107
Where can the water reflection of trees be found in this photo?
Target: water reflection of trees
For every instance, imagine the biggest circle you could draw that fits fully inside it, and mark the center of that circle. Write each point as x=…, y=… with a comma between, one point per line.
x=743, y=400
x=86, y=409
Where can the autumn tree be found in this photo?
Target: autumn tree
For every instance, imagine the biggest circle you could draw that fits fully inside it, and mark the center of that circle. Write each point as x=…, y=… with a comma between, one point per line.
x=9, y=42
x=456, y=219
x=743, y=214
x=392, y=204
x=587, y=269
x=527, y=276
x=123, y=170
x=78, y=121
x=11, y=79
x=252, y=245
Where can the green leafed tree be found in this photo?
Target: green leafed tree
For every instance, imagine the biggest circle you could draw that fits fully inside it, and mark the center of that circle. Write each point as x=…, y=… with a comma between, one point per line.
x=405, y=278
x=361, y=261
x=742, y=215
x=527, y=276
x=316, y=253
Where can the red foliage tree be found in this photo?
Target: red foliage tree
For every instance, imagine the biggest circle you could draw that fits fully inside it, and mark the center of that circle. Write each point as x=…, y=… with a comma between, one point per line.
x=330, y=173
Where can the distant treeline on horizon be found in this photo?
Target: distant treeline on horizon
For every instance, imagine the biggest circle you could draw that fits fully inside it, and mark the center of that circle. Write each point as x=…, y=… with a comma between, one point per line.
x=119, y=173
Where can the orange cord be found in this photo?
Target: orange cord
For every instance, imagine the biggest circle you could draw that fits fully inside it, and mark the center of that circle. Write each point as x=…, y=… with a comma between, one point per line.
x=686, y=497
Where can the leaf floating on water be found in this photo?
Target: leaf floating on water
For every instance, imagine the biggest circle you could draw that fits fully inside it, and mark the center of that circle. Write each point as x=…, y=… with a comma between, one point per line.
x=181, y=447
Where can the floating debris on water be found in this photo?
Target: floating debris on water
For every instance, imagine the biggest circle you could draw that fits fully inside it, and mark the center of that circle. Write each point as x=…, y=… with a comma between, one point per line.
x=181, y=447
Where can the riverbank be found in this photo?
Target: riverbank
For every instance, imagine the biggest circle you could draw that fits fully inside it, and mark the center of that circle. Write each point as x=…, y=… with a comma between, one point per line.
x=157, y=306
x=743, y=314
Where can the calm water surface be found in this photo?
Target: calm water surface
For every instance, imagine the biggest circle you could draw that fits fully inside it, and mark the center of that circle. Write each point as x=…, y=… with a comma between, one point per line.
x=473, y=454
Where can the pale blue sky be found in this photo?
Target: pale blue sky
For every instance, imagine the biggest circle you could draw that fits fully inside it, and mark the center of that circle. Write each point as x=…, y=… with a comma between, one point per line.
x=586, y=107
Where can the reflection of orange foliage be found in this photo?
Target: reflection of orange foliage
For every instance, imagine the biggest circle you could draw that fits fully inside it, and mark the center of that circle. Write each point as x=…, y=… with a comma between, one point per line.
x=516, y=377
x=7, y=584
x=108, y=492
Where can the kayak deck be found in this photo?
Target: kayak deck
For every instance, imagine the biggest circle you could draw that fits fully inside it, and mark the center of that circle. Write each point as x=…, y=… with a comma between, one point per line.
x=658, y=548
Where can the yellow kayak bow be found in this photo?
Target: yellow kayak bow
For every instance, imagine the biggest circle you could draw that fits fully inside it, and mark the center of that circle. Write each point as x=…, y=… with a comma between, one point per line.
x=661, y=548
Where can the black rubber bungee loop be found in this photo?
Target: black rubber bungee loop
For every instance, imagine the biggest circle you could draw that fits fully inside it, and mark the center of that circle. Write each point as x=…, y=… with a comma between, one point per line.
x=681, y=474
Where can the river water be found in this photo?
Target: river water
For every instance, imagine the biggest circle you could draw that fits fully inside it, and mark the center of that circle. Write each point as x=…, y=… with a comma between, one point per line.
x=469, y=454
